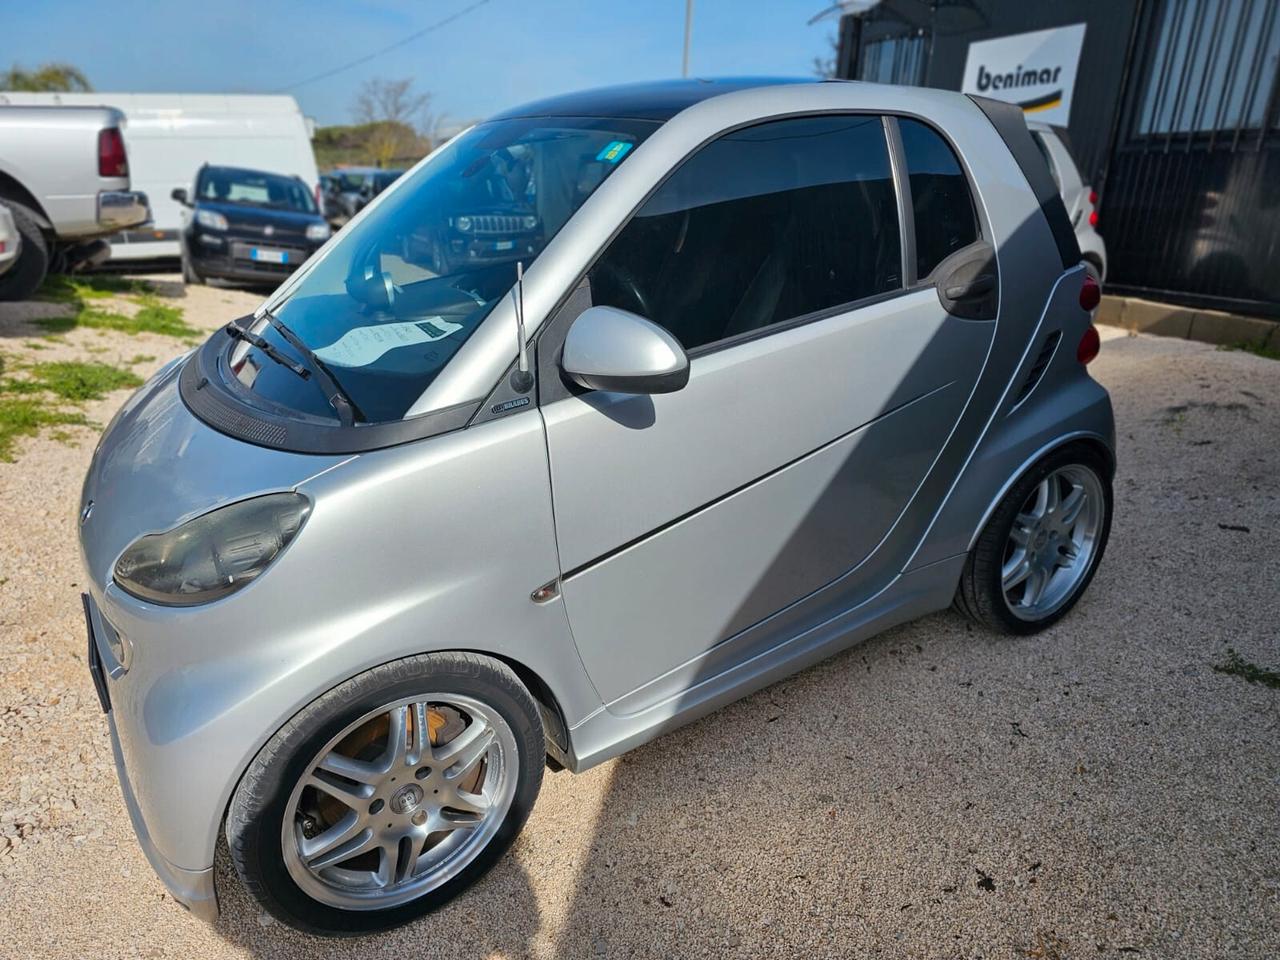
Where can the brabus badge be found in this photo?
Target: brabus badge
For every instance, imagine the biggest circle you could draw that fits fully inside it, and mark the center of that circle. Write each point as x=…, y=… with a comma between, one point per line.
x=510, y=405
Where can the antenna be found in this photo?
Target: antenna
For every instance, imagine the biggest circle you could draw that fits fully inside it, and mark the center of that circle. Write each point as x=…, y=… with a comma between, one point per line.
x=522, y=379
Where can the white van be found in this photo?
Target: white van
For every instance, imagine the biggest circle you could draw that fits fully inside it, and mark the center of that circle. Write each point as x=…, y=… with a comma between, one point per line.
x=169, y=136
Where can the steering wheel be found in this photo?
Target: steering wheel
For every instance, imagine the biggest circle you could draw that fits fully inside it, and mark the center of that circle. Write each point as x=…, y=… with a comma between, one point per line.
x=623, y=288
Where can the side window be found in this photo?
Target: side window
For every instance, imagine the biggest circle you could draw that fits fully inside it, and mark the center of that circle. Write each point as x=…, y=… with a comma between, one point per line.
x=764, y=225
x=945, y=220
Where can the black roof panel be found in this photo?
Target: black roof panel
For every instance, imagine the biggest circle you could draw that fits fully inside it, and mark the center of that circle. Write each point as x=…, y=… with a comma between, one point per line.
x=659, y=100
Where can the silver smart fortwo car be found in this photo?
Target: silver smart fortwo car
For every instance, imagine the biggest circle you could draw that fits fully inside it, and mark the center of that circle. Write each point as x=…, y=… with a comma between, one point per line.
x=718, y=378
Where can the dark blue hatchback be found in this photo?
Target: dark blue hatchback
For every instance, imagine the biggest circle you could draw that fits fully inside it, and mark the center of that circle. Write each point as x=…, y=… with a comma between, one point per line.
x=248, y=225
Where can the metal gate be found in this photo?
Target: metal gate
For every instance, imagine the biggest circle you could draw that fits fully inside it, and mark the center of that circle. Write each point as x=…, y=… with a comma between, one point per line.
x=1190, y=207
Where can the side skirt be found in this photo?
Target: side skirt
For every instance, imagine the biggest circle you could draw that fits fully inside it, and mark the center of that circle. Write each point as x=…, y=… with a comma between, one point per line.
x=605, y=735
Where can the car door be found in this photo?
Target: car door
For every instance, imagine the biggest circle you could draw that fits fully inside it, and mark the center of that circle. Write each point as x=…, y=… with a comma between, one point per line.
x=824, y=381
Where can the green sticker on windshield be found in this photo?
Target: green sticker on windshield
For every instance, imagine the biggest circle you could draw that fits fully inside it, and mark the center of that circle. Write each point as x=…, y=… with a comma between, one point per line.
x=613, y=152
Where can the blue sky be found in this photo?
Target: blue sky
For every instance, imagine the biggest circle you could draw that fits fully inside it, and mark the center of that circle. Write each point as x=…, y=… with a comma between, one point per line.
x=503, y=53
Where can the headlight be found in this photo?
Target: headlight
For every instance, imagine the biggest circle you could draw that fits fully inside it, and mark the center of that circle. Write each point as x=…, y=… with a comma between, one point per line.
x=213, y=555
x=211, y=219
x=529, y=222
x=318, y=231
x=463, y=224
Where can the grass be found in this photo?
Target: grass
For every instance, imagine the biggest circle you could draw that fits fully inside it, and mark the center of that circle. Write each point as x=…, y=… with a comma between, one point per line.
x=72, y=380
x=32, y=402
x=61, y=288
x=1257, y=349
x=1238, y=666
x=82, y=294
x=20, y=417
x=35, y=396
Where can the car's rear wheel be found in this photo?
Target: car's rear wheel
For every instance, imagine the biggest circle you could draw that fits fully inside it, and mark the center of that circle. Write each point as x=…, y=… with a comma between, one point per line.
x=24, y=277
x=1042, y=545
x=389, y=795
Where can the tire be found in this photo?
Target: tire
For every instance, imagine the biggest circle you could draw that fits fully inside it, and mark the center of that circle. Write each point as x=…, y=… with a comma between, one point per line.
x=982, y=595
x=58, y=261
x=23, y=279
x=270, y=859
x=189, y=274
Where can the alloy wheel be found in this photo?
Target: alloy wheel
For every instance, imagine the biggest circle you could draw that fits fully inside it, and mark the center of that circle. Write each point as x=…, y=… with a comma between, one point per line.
x=400, y=801
x=1052, y=542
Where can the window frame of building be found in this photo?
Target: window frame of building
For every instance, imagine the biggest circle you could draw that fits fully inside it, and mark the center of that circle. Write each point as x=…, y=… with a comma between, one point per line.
x=1213, y=68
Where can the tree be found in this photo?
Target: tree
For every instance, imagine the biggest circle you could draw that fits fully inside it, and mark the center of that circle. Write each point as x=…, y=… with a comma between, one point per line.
x=56, y=77
x=825, y=67
x=395, y=114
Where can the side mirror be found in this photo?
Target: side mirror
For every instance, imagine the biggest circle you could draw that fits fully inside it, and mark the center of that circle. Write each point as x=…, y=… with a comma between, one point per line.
x=611, y=349
x=180, y=194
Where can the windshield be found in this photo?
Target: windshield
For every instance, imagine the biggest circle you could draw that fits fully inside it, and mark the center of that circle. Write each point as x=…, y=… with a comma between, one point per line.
x=254, y=189
x=351, y=182
x=399, y=292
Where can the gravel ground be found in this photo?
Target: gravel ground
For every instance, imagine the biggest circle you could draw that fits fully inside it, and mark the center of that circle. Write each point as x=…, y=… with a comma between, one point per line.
x=1097, y=791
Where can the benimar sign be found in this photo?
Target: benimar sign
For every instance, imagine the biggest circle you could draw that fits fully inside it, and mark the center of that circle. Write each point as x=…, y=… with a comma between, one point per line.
x=1037, y=70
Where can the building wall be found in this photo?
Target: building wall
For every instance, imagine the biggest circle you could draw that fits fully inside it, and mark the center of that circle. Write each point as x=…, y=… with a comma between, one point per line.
x=1175, y=120
x=940, y=34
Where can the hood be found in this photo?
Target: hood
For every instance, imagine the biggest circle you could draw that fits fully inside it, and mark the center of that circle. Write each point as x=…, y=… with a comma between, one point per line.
x=255, y=218
x=157, y=466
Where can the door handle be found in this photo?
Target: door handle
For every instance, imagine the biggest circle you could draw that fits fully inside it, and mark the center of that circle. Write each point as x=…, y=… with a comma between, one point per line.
x=979, y=286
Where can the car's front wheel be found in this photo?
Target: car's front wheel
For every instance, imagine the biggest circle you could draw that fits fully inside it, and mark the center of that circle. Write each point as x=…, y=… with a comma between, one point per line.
x=1042, y=545
x=389, y=795
x=189, y=273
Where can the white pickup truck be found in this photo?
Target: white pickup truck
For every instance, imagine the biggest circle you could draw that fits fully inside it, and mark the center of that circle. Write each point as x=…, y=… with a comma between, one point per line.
x=64, y=176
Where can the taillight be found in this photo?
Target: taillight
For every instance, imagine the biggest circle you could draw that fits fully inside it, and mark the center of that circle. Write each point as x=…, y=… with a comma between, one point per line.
x=1090, y=294
x=1090, y=344
x=1093, y=197
x=1093, y=218
x=319, y=205
x=111, y=157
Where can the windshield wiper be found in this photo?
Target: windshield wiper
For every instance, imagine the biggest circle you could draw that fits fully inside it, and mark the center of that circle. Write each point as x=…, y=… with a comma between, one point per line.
x=236, y=332
x=338, y=398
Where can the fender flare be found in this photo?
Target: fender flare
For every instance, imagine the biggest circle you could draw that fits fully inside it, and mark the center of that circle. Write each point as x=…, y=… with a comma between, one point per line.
x=1095, y=440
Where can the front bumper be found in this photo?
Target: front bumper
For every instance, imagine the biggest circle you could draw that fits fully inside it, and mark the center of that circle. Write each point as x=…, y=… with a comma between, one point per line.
x=228, y=257
x=486, y=250
x=193, y=889
x=225, y=268
x=122, y=209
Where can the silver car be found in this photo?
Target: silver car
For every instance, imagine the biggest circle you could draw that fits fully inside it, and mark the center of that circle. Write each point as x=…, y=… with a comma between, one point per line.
x=1080, y=199
x=789, y=364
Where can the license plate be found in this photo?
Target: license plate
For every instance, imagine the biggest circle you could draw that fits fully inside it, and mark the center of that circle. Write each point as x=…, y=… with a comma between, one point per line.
x=269, y=256
x=505, y=245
